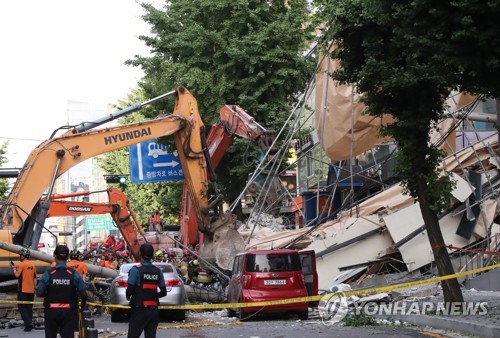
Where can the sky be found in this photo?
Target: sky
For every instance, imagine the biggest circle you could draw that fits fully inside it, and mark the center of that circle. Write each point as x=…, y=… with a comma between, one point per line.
x=59, y=50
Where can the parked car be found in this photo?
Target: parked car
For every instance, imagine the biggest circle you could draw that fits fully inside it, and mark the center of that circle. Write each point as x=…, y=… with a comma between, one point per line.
x=176, y=294
x=44, y=247
x=267, y=275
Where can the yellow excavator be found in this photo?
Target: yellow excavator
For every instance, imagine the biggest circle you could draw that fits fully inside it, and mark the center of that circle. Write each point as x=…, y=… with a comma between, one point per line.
x=22, y=216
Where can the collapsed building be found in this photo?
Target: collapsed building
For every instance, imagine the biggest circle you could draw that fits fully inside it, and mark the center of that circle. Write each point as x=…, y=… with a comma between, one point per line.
x=384, y=233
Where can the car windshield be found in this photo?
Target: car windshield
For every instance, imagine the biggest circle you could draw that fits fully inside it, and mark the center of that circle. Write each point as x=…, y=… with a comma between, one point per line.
x=165, y=268
x=273, y=262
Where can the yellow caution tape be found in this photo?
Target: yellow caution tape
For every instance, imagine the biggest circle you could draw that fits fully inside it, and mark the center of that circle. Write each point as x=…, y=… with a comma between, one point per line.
x=417, y=283
x=18, y=302
x=293, y=300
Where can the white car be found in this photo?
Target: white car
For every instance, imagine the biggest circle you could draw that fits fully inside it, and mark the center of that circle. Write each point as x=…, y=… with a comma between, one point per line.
x=44, y=247
x=176, y=294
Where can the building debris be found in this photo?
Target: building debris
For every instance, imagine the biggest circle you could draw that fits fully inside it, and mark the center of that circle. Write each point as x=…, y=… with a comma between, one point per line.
x=386, y=234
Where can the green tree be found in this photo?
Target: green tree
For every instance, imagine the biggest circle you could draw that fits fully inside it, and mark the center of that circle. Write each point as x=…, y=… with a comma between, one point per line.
x=406, y=56
x=4, y=184
x=243, y=52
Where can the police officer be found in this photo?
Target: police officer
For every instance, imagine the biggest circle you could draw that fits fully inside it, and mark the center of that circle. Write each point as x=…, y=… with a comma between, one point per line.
x=143, y=281
x=60, y=285
x=26, y=274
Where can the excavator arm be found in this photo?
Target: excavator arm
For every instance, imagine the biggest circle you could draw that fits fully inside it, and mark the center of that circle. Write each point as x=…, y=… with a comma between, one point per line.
x=61, y=207
x=233, y=122
x=55, y=156
x=118, y=206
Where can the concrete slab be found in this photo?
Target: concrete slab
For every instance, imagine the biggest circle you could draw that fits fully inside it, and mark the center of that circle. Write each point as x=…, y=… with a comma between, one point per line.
x=488, y=281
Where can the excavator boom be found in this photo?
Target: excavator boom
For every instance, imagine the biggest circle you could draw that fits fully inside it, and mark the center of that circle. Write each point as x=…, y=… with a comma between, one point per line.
x=55, y=156
x=118, y=206
x=233, y=122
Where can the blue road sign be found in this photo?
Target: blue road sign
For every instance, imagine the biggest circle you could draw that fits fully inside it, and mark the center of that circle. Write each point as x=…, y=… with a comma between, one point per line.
x=152, y=162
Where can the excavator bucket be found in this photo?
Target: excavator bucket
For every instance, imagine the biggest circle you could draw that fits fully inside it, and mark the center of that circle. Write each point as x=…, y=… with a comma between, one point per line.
x=221, y=245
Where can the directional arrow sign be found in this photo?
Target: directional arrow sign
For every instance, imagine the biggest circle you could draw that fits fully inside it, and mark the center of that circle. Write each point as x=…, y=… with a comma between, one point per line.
x=172, y=164
x=152, y=162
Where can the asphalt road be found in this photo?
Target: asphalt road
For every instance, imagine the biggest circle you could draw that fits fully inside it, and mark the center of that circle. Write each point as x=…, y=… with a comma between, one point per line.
x=216, y=324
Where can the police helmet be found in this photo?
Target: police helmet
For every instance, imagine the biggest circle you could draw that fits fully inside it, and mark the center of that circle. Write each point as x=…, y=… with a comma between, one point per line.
x=147, y=251
x=61, y=252
x=74, y=254
x=24, y=252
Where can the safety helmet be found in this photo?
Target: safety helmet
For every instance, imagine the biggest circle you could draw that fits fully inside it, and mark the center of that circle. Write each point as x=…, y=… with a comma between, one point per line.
x=25, y=252
x=147, y=251
x=74, y=254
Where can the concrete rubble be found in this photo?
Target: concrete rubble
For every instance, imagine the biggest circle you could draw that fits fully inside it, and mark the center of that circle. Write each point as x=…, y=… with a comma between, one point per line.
x=385, y=235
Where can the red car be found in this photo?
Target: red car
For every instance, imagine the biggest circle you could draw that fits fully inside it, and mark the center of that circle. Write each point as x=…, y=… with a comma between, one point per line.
x=267, y=275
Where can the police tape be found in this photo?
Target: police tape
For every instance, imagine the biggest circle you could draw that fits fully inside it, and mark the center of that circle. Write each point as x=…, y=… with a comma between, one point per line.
x=346, y=293
x=356, y=292
x=4, y=301
x=418, y=283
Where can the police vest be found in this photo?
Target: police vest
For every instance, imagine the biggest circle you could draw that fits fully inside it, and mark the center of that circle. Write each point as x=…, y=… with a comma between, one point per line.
x=146, y=293
x=61, y=289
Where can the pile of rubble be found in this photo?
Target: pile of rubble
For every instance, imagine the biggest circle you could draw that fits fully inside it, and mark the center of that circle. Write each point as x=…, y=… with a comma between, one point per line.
x=386, y=233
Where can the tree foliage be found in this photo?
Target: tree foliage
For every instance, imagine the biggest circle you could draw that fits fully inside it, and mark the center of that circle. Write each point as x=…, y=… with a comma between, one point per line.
x=243, y=52
x=4, y=184
x=406, y=56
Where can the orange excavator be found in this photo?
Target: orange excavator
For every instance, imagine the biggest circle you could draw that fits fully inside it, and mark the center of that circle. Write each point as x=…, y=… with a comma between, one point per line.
x=22, y=217
x=233, y=122
x=118, y=206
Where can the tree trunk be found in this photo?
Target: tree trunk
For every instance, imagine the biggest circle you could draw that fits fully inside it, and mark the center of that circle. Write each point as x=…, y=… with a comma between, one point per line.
x=451, y=287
